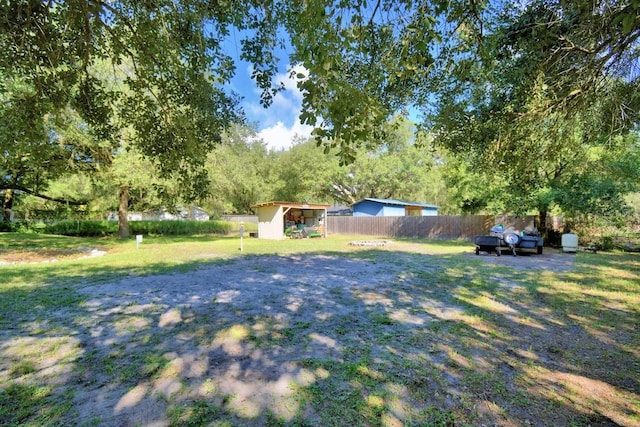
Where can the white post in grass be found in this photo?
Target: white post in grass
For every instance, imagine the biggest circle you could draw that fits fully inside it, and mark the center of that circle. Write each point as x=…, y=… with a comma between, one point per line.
x=138, y=240
x=241, y=235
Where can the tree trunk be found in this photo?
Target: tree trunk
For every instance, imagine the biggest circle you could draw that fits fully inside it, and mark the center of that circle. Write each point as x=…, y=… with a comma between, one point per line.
x=7, y=205
x=123, y=213
x=542, y=226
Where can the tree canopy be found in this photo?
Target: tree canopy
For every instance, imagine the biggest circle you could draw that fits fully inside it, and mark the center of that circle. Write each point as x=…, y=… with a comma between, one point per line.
x=170, y=70
x=506, y=84
x=365, y=61
x=550, y=99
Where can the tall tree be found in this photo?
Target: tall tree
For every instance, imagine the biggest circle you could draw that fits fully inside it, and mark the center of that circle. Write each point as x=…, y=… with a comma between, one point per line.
x=240, y=171
x=172, y=96
x=302, y=173
x=38, y=146
x=538, y=111
x=130, y=181
x=399, y=168
x=365, y=60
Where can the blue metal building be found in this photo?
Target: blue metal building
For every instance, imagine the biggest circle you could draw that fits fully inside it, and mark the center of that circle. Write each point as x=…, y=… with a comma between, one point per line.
x=391, y=207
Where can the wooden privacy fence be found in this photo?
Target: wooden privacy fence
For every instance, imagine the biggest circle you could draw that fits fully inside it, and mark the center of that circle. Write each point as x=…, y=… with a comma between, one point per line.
x=452, y=227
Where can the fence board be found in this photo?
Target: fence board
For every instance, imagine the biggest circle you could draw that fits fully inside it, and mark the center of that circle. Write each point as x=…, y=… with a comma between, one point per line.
x=449, y=227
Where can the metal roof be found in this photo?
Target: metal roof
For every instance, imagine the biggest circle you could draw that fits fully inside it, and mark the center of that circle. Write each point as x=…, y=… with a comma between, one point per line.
x=292, y=205
x=397, y=202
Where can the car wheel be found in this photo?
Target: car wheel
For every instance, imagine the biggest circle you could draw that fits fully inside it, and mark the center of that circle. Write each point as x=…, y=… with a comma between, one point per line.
x=477, y=251
x=539, y=250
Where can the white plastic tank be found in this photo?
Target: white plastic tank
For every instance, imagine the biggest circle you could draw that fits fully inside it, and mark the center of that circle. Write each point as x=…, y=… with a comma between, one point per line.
x=569, y=242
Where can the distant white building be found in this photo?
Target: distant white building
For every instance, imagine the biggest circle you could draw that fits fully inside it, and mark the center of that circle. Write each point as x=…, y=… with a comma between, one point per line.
x=193, y=213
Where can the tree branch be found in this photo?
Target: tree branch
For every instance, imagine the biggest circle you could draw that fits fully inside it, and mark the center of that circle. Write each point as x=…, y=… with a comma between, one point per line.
x=373, y=14
x=42, y=196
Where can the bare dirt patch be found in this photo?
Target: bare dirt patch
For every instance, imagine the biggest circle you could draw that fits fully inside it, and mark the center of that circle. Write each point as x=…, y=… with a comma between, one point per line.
x=35, y=255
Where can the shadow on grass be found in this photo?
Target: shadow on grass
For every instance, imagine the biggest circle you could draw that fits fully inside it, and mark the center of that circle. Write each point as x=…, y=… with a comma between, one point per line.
x=374, y=337
x=437, y=243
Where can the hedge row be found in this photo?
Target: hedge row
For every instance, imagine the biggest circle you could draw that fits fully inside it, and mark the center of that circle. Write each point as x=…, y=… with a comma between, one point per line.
x=182, y=227
x=108, y=228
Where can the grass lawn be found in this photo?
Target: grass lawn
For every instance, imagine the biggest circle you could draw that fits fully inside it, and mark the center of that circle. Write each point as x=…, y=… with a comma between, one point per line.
x=313, y=332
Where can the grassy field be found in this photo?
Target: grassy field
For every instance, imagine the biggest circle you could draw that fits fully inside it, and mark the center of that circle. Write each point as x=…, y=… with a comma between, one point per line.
x=418, y=333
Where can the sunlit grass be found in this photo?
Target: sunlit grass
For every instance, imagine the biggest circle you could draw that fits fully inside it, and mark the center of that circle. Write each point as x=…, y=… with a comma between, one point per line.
x=158, y=254
x=448, y=339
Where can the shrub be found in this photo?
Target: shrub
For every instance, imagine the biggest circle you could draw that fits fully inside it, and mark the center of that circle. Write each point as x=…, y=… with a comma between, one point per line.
x=179, y=227
x=23, y=226
x=6, y=226
x=88, y=228
x=81, y=228
x=607, y=243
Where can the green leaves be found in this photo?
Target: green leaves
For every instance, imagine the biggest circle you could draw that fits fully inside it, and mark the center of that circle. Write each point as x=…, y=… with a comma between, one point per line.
x=531, y=114
x=522, y=90
x=366, y=62
x=628, y=17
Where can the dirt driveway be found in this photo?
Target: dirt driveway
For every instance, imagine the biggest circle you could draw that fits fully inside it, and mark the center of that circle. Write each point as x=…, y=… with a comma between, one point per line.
x=207, y=323
x=384, y=338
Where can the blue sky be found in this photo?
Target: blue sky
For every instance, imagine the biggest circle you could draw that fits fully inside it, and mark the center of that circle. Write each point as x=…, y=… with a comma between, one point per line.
x=279, y=124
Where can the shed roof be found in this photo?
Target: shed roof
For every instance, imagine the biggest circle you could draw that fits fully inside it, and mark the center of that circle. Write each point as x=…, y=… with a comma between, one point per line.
x=397, y=202
x=292, y=205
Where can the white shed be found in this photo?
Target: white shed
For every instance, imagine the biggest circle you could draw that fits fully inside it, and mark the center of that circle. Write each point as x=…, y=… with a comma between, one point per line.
x=275, y=217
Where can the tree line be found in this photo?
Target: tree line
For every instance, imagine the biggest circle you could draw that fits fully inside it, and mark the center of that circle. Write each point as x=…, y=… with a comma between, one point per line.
x=524, y=107
x=242, y=171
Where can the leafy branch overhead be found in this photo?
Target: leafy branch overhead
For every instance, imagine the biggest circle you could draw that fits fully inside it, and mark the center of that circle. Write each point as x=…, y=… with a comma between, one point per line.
x=365, y=61
x=485, y=75
x=551, y=100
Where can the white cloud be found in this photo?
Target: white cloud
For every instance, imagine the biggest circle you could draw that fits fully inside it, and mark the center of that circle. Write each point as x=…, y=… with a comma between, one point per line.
x=278, y=124
x=281, y=137
x=284, y=102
